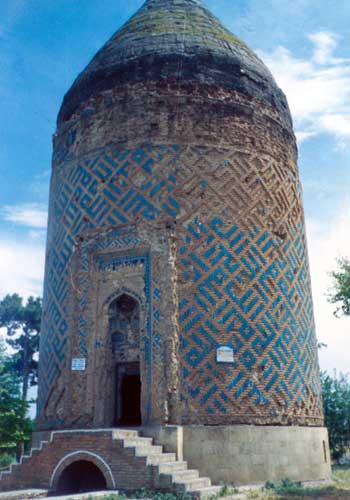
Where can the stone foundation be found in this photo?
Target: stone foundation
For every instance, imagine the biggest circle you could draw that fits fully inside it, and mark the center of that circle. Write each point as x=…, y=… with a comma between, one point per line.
x=248, y=454
x=182, y=458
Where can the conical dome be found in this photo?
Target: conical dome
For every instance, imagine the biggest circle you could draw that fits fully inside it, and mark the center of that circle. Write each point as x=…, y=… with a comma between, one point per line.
x=175, y=40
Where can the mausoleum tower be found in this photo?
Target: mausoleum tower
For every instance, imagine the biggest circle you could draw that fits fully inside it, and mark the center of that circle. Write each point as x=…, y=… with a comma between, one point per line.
x=177, y=286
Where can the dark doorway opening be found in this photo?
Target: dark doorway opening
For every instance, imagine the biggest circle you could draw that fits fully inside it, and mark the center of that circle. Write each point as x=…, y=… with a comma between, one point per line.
x=131, y=392
x=80, y=477
x=128, y=395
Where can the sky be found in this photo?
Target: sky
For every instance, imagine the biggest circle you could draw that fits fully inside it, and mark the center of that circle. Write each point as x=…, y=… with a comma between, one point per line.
x=44, y=44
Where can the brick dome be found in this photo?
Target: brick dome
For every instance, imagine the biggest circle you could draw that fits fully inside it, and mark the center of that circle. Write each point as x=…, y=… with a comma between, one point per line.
x=175, y=40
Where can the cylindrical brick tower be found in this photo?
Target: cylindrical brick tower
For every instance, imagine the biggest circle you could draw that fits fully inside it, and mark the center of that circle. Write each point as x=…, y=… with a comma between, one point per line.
x=177, y=286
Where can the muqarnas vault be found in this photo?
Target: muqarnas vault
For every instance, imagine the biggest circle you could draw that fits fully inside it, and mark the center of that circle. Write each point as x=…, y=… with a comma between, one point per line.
x=177, y=287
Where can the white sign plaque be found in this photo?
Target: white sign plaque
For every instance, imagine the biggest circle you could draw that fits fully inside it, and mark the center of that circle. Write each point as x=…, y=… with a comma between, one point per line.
x=78, y=364
x=225, y=354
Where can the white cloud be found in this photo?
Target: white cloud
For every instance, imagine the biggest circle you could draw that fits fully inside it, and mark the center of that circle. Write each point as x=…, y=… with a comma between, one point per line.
x=31, y=215
x=37, y=235
x=21, y=268
x=325, y=43
x=303, y=136
x=338, y=123
x=329, y=240
x=317, y=88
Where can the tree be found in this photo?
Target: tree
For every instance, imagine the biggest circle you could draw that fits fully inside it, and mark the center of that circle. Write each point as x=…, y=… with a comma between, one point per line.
x=336, y=403
x=340, y=293
x=22, y=323
x=15, y=427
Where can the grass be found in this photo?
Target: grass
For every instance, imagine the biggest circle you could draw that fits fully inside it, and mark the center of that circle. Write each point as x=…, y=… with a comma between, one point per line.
x=281, y=490
x=112, y=496
x=143, y=494
x=290, y=490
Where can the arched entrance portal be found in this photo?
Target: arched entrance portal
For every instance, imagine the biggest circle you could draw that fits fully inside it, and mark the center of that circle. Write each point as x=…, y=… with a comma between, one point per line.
x=124, y=328
x=80, y=477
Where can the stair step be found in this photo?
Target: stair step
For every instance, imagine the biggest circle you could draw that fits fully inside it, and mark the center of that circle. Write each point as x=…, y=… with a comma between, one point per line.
x=183, y=475
x=6, y=472
x=160, y=458
x=125, y=433
x=204, y=493
x=24, y=494
x=188, y=485
x=170, y=479
x=170, y=467
x=145, y=451
x=137, y=442
x=10, y=468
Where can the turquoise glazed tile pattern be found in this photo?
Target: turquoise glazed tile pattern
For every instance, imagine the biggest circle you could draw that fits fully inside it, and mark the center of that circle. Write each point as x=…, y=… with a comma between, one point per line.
x=241, y=282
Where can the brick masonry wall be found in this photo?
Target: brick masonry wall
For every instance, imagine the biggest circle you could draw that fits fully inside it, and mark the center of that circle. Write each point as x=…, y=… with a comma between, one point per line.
x=216, y=172
x=119, y=466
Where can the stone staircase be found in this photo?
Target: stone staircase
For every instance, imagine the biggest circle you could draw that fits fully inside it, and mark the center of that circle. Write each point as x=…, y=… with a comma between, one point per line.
x=166, y=472
x=24, y=458
x=172, y=474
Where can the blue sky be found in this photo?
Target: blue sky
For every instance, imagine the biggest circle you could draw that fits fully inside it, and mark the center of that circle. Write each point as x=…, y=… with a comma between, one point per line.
x=44, y=44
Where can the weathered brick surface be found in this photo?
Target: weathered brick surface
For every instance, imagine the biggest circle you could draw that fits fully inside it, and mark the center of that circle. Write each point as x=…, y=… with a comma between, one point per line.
x=185, y=193
x=126, y=460
x=123, y=470
x=171, y=40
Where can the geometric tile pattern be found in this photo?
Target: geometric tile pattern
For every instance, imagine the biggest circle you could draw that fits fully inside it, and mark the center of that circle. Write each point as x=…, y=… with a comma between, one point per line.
x=243, y=276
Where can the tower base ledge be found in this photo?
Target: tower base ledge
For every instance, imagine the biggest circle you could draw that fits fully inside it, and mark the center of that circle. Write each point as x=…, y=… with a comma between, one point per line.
x=249, y=454
x=191, y=459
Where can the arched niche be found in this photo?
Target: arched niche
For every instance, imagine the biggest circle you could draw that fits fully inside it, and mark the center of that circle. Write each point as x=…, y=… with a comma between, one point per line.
x=124, y=318
x=81, y=471
x=124, y=327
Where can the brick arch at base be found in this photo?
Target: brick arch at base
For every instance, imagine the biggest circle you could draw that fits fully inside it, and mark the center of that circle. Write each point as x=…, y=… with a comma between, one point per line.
x=88, y=456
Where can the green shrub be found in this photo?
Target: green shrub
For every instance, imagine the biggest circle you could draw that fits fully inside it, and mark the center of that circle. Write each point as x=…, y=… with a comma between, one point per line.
x=6, y=460
x=143, y=493
x=225, y=491
x=271, y=485
x=284, y=486
x=114, y=496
